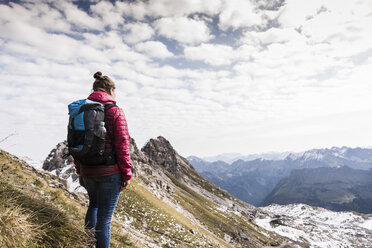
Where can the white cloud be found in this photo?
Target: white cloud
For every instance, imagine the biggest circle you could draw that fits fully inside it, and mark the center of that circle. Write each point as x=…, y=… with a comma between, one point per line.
x=296, y=12
x=121, y=52
x=36, y=43
x=239, y=13
x=246, y=52
x=220, y=55
x=108, y=13
x=348, y=36
x=169, y=8
x=183, y=30
x=231, y=13
x=138, y=32
x=272, y=35
x=41, y=15
x=137, y=10
x=302, y=71
x=14, y=12
x=79, y=18
x=211, y=54
x=343, y=26
x=154, y=49
x=104, y=40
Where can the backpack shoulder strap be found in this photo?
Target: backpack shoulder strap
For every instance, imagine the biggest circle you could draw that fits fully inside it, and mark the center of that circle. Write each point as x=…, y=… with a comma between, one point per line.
x=108, y=106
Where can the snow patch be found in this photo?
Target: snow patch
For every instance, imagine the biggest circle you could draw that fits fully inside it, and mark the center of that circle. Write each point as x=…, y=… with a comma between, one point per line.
x=37, y=164
x=317, y=226
x=367, y=224
x=72, y=186
x=287, y=231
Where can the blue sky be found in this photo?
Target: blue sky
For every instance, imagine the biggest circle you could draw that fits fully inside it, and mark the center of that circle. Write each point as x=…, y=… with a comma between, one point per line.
x=210, y=76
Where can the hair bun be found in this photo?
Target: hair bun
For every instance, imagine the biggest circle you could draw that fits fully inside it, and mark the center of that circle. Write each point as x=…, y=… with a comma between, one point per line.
x=97, y=75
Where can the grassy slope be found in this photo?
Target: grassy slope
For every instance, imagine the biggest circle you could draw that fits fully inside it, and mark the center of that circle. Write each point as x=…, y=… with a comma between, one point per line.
x=224, y=222
x=36, y=210
x=208, y=227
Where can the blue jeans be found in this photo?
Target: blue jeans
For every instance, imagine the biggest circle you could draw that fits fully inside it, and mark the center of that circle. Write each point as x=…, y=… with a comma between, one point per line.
x=103, y=196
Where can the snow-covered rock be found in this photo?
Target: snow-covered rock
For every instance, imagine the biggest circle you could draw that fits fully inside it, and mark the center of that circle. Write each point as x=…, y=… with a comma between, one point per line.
x=318, y=227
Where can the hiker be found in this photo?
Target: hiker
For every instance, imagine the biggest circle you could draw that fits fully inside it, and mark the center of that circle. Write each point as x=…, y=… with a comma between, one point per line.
x=105, y=182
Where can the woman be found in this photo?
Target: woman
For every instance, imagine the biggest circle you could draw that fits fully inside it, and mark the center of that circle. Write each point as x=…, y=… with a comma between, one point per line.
x=104, y=182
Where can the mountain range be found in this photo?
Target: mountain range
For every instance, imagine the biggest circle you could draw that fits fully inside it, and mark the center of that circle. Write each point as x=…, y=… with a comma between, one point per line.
x=232, y=157
x=251, y=181
x=168, y=204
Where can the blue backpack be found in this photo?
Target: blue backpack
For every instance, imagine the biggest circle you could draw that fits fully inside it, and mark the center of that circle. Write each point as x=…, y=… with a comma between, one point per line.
x=84, y=143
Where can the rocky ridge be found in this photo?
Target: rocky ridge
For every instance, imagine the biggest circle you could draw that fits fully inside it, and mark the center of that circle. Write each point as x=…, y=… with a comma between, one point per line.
x=198, y=213
x=63, y=167
x=210, y=216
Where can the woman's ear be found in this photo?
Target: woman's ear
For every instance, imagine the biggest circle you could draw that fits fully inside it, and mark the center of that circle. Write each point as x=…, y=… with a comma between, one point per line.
x=112, y=92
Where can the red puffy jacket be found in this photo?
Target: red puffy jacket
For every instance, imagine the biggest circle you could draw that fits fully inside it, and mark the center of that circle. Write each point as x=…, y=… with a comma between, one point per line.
x=117, y=141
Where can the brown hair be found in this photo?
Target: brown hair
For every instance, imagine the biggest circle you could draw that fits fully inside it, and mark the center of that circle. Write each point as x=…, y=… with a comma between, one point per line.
x=103, y=83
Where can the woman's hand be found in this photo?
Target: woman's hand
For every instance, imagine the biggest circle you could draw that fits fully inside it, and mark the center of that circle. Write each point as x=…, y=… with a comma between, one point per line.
x=124, y=185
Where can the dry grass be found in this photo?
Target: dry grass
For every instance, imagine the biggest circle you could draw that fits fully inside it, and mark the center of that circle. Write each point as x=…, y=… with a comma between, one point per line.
x=36, y=210
x=35, y=215
x=17, y=229
x=28, y=221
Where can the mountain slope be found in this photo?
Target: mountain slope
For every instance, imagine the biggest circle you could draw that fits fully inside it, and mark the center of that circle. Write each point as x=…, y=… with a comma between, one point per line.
x=338, y=189
x=36, y=210
x=249, y=181
x=168, y=204
x=160, y=208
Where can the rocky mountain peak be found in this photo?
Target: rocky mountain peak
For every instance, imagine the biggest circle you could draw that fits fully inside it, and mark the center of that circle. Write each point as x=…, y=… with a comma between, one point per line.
x=55, y=159
x=62, y=166
x=161, y=152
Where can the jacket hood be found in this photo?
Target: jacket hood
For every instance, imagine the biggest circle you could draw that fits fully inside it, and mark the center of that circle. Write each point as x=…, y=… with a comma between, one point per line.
x=102, y=97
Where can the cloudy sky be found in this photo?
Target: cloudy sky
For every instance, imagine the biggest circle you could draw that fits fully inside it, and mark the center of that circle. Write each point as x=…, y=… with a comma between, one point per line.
x=210, y=76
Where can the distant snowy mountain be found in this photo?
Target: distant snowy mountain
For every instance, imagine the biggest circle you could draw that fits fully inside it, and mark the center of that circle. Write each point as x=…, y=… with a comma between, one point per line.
x=251, y=181
x=318, y=227
x=201, y=165
x=361, y=155
x=337, y=154
x=232, y=157
x=226, y=157
x=337, y=189
x=266, y=156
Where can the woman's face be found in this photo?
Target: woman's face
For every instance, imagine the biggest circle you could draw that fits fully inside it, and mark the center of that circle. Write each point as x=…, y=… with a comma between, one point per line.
x=112, y=93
